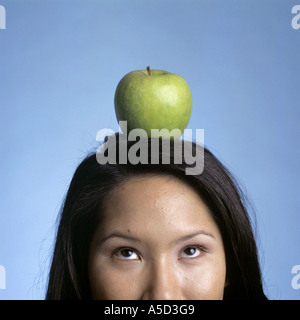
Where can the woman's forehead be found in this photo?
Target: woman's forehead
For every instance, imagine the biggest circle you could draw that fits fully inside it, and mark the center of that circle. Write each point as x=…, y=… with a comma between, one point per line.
x=157, y=205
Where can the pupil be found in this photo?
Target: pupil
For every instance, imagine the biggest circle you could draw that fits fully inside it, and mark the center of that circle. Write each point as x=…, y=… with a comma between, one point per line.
x=190, y=251
x=126, y=253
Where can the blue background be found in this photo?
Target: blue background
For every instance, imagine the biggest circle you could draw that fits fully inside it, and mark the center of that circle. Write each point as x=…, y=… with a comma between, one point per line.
x=60, y=62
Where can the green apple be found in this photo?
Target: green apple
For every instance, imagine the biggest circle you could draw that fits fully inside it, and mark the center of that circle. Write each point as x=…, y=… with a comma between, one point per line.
x=154, y=99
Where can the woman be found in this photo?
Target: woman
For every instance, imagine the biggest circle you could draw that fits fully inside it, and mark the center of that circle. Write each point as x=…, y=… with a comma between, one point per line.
x=150, y=231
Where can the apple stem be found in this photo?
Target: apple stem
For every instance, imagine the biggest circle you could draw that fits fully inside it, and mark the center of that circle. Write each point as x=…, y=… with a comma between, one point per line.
x=149, y=72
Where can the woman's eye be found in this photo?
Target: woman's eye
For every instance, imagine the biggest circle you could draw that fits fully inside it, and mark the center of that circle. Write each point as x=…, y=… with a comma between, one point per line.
x=127, y=254
x=191, y=252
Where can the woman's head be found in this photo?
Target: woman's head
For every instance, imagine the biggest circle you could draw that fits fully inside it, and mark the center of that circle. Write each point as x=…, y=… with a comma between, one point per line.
x=149, y=231
x=157, y=241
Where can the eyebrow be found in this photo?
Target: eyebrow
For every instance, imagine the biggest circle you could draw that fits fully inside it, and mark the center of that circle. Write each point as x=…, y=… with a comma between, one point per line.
x=181, y=239
x=119, y=235
x=193, y=235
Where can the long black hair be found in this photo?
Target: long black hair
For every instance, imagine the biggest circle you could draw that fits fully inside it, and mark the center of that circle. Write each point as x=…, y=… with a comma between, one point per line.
x=84, y=207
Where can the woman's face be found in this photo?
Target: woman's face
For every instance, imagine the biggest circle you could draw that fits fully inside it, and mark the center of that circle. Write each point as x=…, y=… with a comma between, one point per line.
x=158, y=241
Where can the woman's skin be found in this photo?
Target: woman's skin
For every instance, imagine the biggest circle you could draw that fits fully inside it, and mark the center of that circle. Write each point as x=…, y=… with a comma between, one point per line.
x=158, y=241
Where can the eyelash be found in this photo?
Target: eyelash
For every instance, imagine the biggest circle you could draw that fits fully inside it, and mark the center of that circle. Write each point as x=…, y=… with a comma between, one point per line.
x=195, y=246
x=125, y=248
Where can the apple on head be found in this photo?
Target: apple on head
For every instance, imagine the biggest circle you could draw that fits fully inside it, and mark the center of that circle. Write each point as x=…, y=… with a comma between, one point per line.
x=153, y=99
